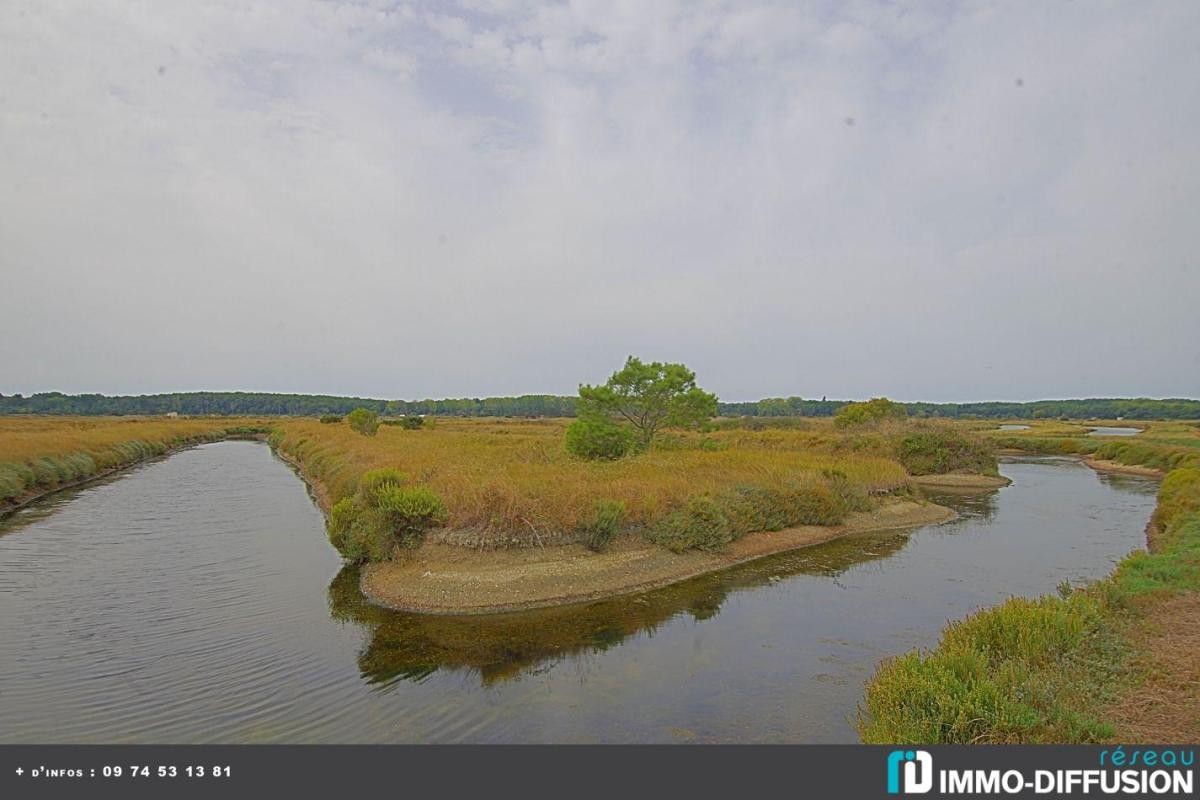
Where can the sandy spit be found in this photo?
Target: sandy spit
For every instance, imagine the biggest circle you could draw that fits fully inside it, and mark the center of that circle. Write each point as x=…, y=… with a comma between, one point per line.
x=442, y=579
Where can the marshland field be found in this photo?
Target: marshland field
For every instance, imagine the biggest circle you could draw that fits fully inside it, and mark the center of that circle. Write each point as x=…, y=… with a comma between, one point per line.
x=487, y=546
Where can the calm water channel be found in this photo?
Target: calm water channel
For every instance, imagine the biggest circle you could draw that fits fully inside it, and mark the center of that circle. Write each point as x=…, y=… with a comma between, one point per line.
x=195, y=599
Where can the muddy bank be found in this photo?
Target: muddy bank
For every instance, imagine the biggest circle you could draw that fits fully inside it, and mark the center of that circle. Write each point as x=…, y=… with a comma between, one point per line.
x=1128, y=469
x=441, y=579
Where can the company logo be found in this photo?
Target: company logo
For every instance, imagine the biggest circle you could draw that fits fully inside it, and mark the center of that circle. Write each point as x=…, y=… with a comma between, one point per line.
x=909, y=772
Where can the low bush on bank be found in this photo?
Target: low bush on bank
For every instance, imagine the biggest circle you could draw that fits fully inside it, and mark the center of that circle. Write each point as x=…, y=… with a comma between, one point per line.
x=603, y=525
x=1037, y=670
x=386, y=512
x=330, y=419
x=942, y=449
x=710, y=522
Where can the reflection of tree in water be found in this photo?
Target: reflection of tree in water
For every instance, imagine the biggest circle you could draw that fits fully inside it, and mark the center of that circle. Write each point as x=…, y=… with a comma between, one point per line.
x=404, y=646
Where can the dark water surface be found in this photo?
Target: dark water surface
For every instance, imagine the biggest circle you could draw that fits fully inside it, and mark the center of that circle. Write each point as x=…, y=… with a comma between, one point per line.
x=195, y=599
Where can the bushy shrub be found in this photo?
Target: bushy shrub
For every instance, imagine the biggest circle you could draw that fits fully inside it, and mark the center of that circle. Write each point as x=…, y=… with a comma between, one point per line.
x=409, y=511
x=598, y=437
x=331, y=419
x=936, y=451
x=383, y=513
x=604, y=523
x=375, y=479
x=364, y=421
x=341, y=519
x=875, y=410
x=702, y=525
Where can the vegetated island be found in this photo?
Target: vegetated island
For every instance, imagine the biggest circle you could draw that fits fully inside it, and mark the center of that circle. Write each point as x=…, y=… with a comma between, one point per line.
x=643, y=489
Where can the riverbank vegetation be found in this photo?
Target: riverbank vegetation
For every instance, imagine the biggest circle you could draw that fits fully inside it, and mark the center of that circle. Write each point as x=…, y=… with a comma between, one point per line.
x=1073, y=668
x=1162, y=446
x=42, y=454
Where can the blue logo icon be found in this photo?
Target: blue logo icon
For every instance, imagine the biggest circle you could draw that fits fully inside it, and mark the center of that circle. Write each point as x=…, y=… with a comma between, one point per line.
x=909, y=772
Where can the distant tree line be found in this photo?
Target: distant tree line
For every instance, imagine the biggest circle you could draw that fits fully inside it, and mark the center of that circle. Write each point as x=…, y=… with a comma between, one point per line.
x=300, y=405
x=543, y=405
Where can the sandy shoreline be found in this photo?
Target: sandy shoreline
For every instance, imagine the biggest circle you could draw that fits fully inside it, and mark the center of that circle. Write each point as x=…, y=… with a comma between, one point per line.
x=1128, y=469
x=445, y=579
x=441, y=579
x=961, y=481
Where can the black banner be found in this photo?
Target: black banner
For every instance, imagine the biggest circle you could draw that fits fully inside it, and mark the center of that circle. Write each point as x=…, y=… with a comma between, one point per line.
x=614, y=772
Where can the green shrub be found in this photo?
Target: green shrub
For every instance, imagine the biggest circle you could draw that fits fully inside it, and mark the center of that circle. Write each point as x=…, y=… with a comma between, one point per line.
x=604, y=523
x=341, y=520
x=598, y=437
x=875, y=410
x=331, y=419
x=702, y=525
x=409, y=511
x=364, y=421
x=375, y=479
x=937, y=451
x=382, y=514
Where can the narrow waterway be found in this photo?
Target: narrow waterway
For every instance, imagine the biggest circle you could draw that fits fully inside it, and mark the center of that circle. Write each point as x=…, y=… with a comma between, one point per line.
x=195, y=599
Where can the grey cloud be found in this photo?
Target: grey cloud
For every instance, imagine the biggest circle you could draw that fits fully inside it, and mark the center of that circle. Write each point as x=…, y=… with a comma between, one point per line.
x=433, y=200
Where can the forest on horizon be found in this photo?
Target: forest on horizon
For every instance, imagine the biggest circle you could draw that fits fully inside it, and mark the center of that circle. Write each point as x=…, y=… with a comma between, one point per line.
x=543, y=405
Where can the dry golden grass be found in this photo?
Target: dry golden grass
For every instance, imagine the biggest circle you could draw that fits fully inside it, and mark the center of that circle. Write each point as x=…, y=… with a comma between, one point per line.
x=513, y=481
x=1166, y=706
x=39, y=454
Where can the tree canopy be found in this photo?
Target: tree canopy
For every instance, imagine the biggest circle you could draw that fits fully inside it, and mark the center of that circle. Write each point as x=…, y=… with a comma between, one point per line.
x=648, y=397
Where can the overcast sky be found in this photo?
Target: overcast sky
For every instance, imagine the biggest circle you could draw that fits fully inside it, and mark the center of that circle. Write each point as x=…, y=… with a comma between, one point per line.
x=928, y=201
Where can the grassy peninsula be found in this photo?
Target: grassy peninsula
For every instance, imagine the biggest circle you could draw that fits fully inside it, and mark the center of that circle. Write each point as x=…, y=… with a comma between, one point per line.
x=471, y=516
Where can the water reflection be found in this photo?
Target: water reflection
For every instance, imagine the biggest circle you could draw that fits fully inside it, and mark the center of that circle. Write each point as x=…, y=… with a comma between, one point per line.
x=410, y=647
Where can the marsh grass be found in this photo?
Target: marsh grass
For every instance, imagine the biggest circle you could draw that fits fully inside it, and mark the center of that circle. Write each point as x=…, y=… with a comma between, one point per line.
x=1164, y=446
x=511, y=482
x=39, y=454
x=1043, y=670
